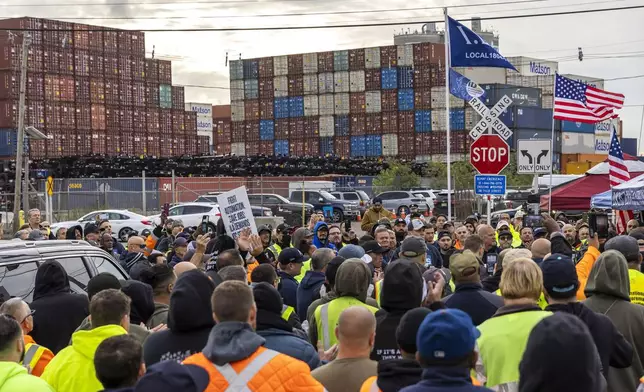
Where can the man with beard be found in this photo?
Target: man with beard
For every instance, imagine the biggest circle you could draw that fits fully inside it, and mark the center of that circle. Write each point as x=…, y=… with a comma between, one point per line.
x=526, y=237
x=446, y=248
x=505, y=239
x=321, y=236
x=303, y=241
x=106, y=242
x=400, y=228
x=570, y=234
x=374, y=214
x=470, y=223
x=165, y=243
x=335, y=237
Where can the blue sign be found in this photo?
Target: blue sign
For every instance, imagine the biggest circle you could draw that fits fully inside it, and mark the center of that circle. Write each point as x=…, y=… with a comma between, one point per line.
x=489, y=185
x=468, y=49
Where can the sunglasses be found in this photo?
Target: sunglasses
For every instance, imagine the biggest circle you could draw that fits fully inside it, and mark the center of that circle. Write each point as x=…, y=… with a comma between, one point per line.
x=31, y=313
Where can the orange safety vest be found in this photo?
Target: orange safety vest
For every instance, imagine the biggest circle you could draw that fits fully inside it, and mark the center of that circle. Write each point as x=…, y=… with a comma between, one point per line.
x=36, y=357
x=371, y=384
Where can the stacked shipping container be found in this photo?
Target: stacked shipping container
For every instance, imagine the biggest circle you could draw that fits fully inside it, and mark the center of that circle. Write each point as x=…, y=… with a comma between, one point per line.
x=92, y=91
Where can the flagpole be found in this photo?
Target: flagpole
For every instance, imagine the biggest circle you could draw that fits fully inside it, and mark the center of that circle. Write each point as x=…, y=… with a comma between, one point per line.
x=552, y=145
x=447, y=120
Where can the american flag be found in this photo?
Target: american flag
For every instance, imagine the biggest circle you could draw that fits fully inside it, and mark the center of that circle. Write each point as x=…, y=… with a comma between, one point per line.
x=618, y=174
x=579, y=102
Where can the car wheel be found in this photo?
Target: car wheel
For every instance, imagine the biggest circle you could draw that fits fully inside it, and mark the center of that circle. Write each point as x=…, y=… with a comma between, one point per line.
x=403, y=209
x=338, y=216
x=124, y=234
x=211, y=229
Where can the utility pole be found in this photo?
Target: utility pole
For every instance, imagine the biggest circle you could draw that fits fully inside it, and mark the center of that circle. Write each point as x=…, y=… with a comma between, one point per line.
x=20, y=140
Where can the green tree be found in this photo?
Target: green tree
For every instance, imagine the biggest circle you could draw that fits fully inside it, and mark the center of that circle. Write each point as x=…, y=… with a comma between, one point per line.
x=397, y=176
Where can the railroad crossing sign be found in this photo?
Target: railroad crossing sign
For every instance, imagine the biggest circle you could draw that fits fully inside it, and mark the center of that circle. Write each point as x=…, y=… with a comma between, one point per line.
x=489, y=154
x=490, y=118
x=533, y=156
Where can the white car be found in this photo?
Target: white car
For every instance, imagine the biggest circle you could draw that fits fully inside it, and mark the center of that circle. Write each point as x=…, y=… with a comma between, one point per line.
x=123, y=222
x=191, y=214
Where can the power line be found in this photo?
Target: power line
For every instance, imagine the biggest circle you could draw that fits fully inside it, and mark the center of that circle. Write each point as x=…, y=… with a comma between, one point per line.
x=158, y=3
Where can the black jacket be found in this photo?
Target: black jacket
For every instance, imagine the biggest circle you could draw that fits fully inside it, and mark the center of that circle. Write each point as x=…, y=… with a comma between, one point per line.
x=288, y=289
x=445, y=255
x=395, y=374
x=308, y=291
x=402, y=290
x=131, y=261
x=142, y=301
x=189, y=321
x=491, y=283
x=58, y=312
x=490, y=258
x=479, y=304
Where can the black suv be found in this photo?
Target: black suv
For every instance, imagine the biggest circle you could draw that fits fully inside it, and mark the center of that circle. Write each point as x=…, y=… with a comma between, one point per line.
x=281, y=206
x=19, y=261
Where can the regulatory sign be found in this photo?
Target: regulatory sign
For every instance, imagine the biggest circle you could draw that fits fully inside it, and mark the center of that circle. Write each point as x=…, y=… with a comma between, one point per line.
x=489, y=154
x=489, y=185
x=533, y=156
x=490, y=118
x=50, y=185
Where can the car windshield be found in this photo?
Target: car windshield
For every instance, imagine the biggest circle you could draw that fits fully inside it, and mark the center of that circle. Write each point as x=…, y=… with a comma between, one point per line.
x=363, y=195
x=206, y=199
x=327, y=195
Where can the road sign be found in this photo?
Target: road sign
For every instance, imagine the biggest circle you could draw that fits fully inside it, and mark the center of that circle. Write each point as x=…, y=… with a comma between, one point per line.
x=489, y=154
x=533, y=156
x=490, y=118
x=489, y=185
x=50, y=185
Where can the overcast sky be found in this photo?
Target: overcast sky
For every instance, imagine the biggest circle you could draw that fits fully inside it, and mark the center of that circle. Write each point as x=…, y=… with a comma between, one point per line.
x=199, y=57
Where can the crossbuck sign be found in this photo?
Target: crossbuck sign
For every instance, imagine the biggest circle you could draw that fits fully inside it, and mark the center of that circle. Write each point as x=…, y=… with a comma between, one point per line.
x=490, y=118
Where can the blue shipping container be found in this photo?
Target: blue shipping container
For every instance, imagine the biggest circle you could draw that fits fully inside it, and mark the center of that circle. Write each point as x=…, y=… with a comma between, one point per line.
x=8, y=143
x=358, y=146
x=507, y=118
x=405, y=77
x=326, y=146
x=341, y=124
x=373, y=145
x=296, y=107
x=281, y=147
x=571, y=126
x=251, y=89
x=341, y=60
x=534, y=118
x=266, y=130
x=457, y=119
x=281, y=107
x=389, y=78
x=251, y=69
x=629, y=146
x=423, y=120
x=406, y=99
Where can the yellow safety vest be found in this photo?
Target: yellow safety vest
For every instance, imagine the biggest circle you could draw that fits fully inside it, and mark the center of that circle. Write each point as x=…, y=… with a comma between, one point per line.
x=276, y=249
x=287, y=311
x=306, y=266
x=378, y=290
x=637, y=286
x=33, y=352
x=541, y=302
x=327, y=315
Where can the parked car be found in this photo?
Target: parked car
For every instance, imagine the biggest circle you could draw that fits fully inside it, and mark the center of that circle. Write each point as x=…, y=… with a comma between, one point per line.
x=211, y=198
x=191, y=214
x=428, y=194
x=338, y=210
x=19, y=261
x=281, y=206
x=123, y=223
x=399, y=201
x=359, y=197
x=440, y=203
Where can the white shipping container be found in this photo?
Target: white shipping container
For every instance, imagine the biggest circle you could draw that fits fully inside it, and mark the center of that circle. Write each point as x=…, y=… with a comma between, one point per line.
x=373, y=102
x=438, y=120
x=471, y=118
x=341, y=81
x=357, y=81
x=326, y=103
x=310, y=63
x=594, y=82
x=204, y=123
x=236, y=69
x=546, y=84
x=310, y=105
x=310, y=84
x=515, y=79
x=327, y=128
x=405, y=55
x=438, y=99
x=236, y=90
x=202, y=109
x=237, y=111
x=372, y=58
x=577, y=143
x=341, y=103
x=482, y=75
x=390, y=145
x=280, y=85
x=280, y=66
x=325, y=83
x=547, y=101
x=238, y=149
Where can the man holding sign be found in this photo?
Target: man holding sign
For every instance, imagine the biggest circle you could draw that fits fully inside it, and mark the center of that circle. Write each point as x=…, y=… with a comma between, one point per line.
x=236, y=212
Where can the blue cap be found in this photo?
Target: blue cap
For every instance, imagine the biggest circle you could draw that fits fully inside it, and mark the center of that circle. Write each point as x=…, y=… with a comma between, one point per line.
x=291, y=255
x=446, y=335
x=172, y=376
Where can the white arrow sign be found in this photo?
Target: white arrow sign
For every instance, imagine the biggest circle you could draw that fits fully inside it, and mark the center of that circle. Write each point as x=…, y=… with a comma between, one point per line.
x=533, y=156
x=490, y=118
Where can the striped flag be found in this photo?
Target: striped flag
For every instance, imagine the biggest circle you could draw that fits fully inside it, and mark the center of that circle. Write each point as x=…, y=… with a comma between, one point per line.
x=618, y=174
x=579, y=102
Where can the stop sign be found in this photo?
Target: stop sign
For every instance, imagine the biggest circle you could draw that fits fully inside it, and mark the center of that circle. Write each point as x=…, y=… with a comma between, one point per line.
x=489, y=154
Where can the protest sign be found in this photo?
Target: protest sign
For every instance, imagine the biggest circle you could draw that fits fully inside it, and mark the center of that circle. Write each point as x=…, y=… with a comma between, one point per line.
x=236, y=211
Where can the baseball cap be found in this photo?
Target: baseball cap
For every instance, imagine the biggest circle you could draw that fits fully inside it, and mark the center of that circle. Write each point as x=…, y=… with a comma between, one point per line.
x=291, y=255
x=560, y=276
x=444, y=233
x=91, y=229
x=307, y=233
x=501, y=224
x=463, y=264
x=399, y=221
x=351, y=252
x=448, y=223
x=505, y=233
x=172, y=376
x=283, y=228
x=415, y=225
x=180, y=241
x=177, y=223
x=626, y=245
x=413, y=247
x=408, y=329
x=446, y=335
x=373, y=247
x=540, y=232
x=519, y=214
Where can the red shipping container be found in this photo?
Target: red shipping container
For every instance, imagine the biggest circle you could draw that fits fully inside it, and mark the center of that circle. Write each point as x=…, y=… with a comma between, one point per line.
x=266, y=67
x=111, y=63
x=179, y=148
x=138, y=93
x=81, y=62
x=190, y=122
x=67, y=115
x=423, y=144
x=112, y=92
x=127, y=143
x=356, y=59
x=112, y=143
x=167, y=146
x=125, y=67
x=458, y=141
x=36, y=114
x=96, y=65
x=222, y=133
x=439, y=142
x=203, y=145
x=238, y=131
x=422, y=53
x=51, y=61
x=296, y=148
x=266, y=89
x=10, y=85
x=138, y=43
x=83, y=116
x=389, y=100
x=437, y=54
x=295, y=85
x=153, y=122
x=83, y=143
x=223, y=149
x=357, y=125
x=125, y=118
x=407, y=145
x=438, y=75
x=389, y=122
x=342, y=146
x=139, y=119
x=52, y=116
x=81, y=36
x=96, y=91
x=67, y=88
x=68, y=143
x=37, y=149
x=52, y=87
x=266, y=109
x=252, y=149
x=66, y=34
x=266, y=148
x=8, y=114
x=51, y=35
x=152, y=94
x=11, y=58
x=35, y=86
x=98, y=117
x=312, y=147
x=95, y=41
x=252, y=131
x=25, y=23
x=178, y=96
x=138, y=68
x=165, y=71
x=177, y=121
x=124, y=38
x=325, y=62
x=98, y=143
x=191, y=145
x=165, y=121
x=388, y=56
x=251, y=110
x=372, y=79
x=112, y=119
x=373, y=124
x=152, y=70
x=140, y=144
x=67, y=62
x=125, y=93
x=357, y=103
x=405, y=122
x=422, y=76
x=422, y=98
x=54, y=145
x=281, y=129
x=295, y=64
x=311, y=127
x=296, y=128
x=154, y=145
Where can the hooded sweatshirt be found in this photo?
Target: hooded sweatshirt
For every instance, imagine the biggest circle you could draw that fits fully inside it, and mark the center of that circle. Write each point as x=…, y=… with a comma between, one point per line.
x=142, y=305
x=134, y=263
x=309, y=291
x=317, y=241
x=608, y=292
x=189, y=321
x=14, y=378
x=298, y=237
x=71, y=232
x=395, y=374
x=402, y=290
x=72, y=369
x=57, y=311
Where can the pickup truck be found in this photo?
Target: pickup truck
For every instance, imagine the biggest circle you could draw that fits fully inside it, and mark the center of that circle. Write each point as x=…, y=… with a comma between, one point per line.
x=281, y=206
x=339, y=210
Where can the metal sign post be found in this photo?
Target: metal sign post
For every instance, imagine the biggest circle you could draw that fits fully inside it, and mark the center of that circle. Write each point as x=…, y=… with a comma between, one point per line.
x=49, y=204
